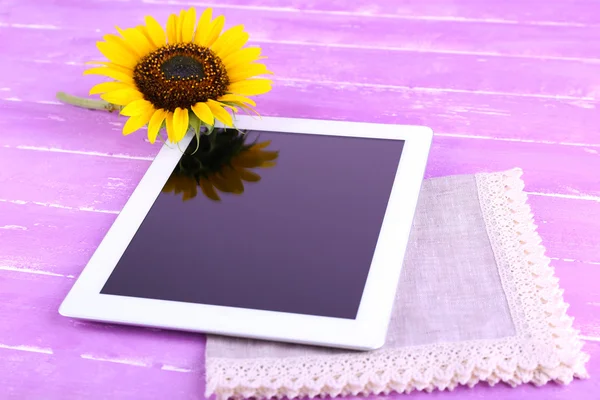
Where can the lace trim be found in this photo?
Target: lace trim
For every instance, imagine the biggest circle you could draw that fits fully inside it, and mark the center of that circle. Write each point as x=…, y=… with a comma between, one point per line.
x=545, y=348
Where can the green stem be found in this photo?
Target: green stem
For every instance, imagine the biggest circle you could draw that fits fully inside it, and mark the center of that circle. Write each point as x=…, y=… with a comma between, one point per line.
x=90, y=104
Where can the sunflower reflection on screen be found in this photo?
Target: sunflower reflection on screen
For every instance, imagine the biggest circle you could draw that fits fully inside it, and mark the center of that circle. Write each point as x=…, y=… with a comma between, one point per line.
x=223, y=162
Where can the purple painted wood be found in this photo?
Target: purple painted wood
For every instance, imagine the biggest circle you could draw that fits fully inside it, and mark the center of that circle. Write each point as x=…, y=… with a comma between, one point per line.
x=503, y=84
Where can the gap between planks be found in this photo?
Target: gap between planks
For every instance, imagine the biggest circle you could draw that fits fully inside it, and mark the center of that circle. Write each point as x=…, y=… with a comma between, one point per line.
x=361, y=47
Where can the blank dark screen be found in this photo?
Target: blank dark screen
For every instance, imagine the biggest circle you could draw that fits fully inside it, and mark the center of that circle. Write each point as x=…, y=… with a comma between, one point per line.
x=300, y=240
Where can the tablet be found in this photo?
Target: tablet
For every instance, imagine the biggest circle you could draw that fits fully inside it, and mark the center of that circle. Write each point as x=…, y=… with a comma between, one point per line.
x=289, y=230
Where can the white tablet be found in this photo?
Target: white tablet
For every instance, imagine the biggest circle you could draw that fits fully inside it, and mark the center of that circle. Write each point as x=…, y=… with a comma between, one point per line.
x=288, y=230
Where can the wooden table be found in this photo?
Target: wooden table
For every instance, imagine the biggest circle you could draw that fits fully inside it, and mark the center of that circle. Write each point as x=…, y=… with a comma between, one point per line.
x=503, y=84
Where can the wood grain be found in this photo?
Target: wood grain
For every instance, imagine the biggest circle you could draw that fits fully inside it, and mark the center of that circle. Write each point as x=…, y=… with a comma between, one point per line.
x=503, y=83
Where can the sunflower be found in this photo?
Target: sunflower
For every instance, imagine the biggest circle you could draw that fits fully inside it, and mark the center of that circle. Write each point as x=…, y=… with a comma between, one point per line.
x=188, y=75
x=222, y=162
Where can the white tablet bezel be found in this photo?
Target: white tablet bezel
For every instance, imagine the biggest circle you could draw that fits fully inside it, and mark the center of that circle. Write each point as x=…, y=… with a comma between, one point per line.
x=366, y=332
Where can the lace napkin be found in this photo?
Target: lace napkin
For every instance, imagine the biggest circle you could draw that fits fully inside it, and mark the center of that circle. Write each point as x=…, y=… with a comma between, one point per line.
x=477, y=301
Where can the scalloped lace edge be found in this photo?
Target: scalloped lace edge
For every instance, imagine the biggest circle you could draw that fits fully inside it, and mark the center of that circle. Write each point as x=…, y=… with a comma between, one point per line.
x=546, y=347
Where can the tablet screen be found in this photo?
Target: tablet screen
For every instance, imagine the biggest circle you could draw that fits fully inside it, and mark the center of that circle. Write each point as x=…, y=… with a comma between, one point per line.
x=267, y=221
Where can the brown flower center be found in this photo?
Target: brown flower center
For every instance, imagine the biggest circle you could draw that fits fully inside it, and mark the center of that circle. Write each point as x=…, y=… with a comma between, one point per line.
x=180, y=75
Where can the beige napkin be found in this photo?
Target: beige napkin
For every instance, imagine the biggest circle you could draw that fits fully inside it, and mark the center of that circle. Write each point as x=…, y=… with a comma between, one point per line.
x=477, y=301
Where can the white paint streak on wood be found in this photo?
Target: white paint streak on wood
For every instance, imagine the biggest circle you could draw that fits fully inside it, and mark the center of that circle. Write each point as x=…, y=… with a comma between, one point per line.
x=364, y=14
x=125, y=361
x=13, y=228
x=86, y=153
x=50, y=205
x=590, y=338
x=16, y=99
x=34, y=271
x=133, y=362
x=566, y=196
x=575, y=261
x=29, y=26
x=29, y=349
x=174, y=369
x=49, y=102
x=341, y=84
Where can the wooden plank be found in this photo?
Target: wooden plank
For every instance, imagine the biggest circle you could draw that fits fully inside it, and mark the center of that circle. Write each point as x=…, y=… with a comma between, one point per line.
x=443, y=72
x=134, y=362
x=572, y=12
x=581, y=293
x=107, y=181
x=110, y=180
x=568, y=227
x=30, y=375
x=446, y=112
x=61, y=241
x=70, y=129
x=39, y=296
x=54, y=21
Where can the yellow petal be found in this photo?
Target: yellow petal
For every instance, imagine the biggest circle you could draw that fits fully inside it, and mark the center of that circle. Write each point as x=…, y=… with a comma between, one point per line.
x=242, y=57
x=204, y=113
x=203, y=27
x=234, y=45
x=121, y=97
x=136, y=107
x=116, y=67
x=249, y=109
x=215, y=30
x=234, y=98
x=144, y=30
x=110, y=73
x=226, y=38
x=169, y=124
x=239, y=74
x=187, y=25
x=155, y=123
x=117, y=54
x=250, y=87
x=172, y=29
x=208, y=189
x=220, y=113
x=120, y=43
x=156, y=32
x=182, y=15
x=137, y=40
x=135, y=123
x=108, y=87
x=181, y=123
